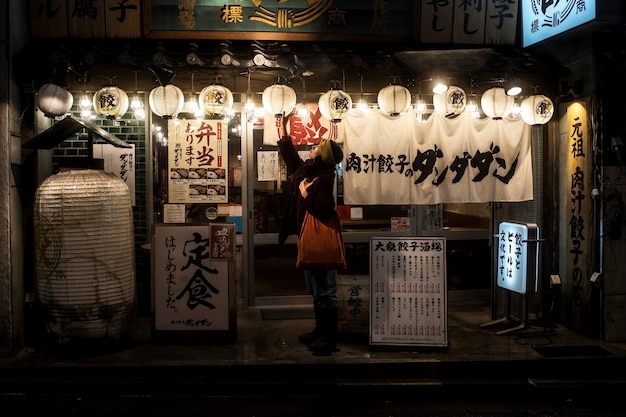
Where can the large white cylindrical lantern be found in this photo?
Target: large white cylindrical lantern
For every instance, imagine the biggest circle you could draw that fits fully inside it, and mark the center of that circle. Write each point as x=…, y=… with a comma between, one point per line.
x=166, y=101
x=111, y=102
x=279, y=99
x=394, y=100
x=537, y=109
x=451, y=103
x=495, y=103
x=85, y=254
x=54, y=100
x=216, y=100
x=334, y=104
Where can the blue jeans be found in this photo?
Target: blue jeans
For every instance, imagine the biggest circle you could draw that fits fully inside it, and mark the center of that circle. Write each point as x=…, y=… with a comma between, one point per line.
x=322, y=285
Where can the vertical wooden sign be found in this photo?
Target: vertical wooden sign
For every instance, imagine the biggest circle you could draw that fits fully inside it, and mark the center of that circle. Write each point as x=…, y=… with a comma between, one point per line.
x=123, y=18
x=469, y=22
x=501, y=23
x=436, y=22
x=578, y=217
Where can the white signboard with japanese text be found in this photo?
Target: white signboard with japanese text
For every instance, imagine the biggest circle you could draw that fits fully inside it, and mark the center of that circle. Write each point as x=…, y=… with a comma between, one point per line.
x=197, y=161
x=518, y=253
x=191, y=288
x=118, y=161
x=408, y=300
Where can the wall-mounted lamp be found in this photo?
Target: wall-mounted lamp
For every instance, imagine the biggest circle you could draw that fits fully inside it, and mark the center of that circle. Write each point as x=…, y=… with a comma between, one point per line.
x=362, y=105
x=250, y=105
x=512, y=86
x=303, y=110
x=440, y=85
x=137, y=104
x=191, y=105
x=420, y=103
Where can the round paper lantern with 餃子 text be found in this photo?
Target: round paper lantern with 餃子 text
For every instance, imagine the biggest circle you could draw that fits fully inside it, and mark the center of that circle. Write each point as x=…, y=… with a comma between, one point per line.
x=394, y=100
x=111, y=102
x=496, y=104
x=279, y=99
x=537, y=110
x=450, y=103
x=54, y=100
x=216, y=100
x=334, y=105
x=166, y=101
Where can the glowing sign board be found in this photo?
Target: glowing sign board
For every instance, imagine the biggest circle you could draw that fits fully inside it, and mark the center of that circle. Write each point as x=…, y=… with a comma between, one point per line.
x=518, y=253
x=543, y=19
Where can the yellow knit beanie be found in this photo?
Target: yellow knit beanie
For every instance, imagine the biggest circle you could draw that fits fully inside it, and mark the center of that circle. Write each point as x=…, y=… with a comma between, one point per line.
x=331, y=152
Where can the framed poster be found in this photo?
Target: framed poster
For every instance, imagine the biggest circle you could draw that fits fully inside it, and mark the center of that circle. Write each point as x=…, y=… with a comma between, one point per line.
x=197, y=161
x=408, y=299
x=193, y=283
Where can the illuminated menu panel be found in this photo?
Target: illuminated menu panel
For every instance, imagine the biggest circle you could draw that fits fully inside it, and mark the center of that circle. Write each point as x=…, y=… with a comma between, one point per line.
x=408, y=304
x=518, y=252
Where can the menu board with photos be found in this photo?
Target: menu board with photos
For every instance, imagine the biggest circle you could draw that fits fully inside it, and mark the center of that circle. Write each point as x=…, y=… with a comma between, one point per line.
x=408, y=303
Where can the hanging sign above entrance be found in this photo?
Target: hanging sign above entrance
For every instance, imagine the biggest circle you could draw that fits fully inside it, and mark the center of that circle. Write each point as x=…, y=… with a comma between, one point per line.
x=282, y=19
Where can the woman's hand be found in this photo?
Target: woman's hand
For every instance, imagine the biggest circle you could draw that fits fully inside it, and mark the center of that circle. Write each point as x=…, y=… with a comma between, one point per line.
x=304, y=187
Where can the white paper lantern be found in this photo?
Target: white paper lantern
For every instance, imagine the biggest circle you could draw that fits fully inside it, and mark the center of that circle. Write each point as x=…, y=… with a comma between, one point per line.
x=334, y=104
x=85, y=254
x=495, y=103
x=216, y=100
x=279, y=99
x=166, y=101
x=394, y=100
x=54, y=100
x=537, y=109
x=451, y=103
x=111, y=102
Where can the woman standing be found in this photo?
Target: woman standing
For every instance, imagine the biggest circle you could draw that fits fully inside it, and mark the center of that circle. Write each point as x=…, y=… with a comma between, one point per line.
x=311, y=189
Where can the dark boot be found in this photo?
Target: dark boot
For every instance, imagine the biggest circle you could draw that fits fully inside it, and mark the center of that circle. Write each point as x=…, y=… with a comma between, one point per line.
x=312, y=336
x=327, y=342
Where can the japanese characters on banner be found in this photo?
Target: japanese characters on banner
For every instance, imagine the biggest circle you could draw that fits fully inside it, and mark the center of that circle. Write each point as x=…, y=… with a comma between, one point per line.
x=191, y=276
x=308, y=130
x=118, y=161
x=197, y=161
x=461, y=160
x=408, y=304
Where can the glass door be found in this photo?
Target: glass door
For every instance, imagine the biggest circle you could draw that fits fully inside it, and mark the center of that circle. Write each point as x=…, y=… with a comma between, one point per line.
x=276, y=279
